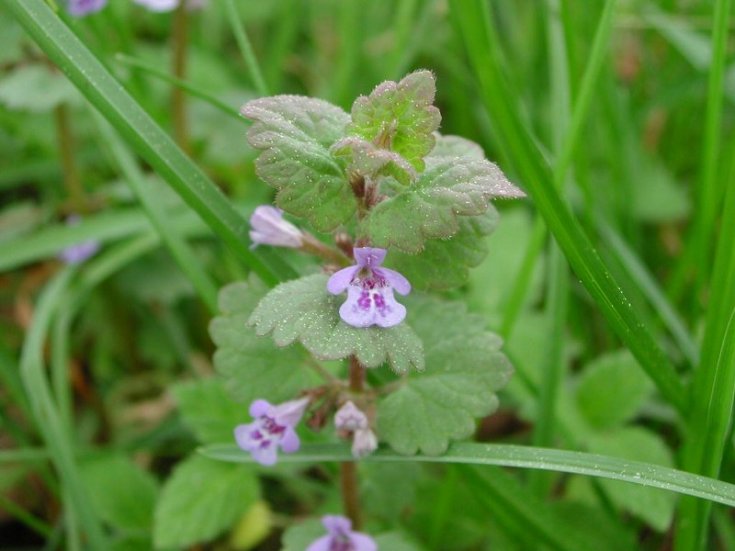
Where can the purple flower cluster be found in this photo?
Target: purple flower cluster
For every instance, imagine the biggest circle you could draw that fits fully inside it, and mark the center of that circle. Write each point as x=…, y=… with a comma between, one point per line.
x=341, y=537
x=352, y=420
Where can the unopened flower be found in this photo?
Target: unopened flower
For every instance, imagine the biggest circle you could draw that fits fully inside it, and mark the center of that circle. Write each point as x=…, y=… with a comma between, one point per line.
x=79, y=252
x=364, y=442
x=269, y=228
x=168, y=5
x=370, y=289
x=80, y=8
x=273, y=427
x=351, y=419
x=340, y=537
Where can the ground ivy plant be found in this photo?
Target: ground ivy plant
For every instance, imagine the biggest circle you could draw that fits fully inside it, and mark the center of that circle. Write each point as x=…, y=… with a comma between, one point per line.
x=397, y=206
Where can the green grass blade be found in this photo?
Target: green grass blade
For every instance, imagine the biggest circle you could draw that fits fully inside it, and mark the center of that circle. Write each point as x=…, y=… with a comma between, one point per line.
x=48, y=420
x=473, y=21
x=523, y=457
x=183, y=84
x=143, y=134
x=713, y=388
x=528, y=518
x=246, y=49
x=711, y=186
x=177, y=246
x=650, y=288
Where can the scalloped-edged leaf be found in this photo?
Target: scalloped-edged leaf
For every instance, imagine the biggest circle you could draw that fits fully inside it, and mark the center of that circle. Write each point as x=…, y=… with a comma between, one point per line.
x=251, y=366
x=431, y=207
x=302, y=310
x=654, y=506
x=208, y=410
x=452, y=147
x=612, y=390
x=400, y=116
x=445, y=263
x=200, y=500
x=37, y=88
x=464, y=369
x=295, y=134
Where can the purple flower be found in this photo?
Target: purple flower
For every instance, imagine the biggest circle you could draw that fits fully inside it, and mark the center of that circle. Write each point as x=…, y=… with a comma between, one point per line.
x=80, y=8
x=79, y=252
x=269, y=228
x=273, y=427
x=168, y=5
x=340, y=537
x=370, y=289
x=350, y=419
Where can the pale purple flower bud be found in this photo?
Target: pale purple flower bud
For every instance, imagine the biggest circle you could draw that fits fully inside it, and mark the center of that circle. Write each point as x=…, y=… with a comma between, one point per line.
x=364, y=442
x=350, y=418
x=79, y=252
x=273, y=426
x=370, y=287
x=80, y=8
x=340, y=537
x=269, y=228
x=168, y=5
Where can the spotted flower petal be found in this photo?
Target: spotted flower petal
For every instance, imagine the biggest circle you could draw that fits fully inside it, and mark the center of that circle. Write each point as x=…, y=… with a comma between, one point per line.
x=369, y=287
x=273, y=427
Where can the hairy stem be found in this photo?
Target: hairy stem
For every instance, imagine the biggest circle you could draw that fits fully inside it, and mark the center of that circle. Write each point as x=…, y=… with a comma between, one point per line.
x=312, y=245
x=348, y=470
x=178, y=98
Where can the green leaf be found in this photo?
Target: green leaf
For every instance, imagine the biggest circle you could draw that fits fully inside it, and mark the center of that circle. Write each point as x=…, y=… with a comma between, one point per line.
x=36, y=88
x=302, y=310
x=464, y=369
x=295, y=133
x=400, y=117
x=201, y=500
x=124, y=495
x=649, y=504
x=388, y=490
x=612, y=389
x=299, y=536
x=253, y=367
x=208, y=409
x=368, y=160
x=451, y=147
x=396, y=541
x=432, y=206
x=445, y=263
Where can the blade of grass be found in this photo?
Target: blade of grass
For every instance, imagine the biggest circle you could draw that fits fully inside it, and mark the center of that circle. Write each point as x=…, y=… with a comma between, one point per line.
x=474, y=24
x=522, y=457
x=713, y=387
x=651, y=290
x=246, y=49
x=183, y=84
x=177, y=246
x=144, y=135
x=46, y=414
x=528, y=518
x=711, y=190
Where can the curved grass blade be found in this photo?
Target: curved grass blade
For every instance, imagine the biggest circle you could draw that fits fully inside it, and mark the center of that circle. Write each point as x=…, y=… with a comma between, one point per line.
x=177, y=246
x=143, y=134
x=473, y=21
x=48, y=420
x=523, y=457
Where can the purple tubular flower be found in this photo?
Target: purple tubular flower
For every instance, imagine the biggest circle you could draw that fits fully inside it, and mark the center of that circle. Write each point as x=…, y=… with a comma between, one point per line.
x=79, y=252
x=80, y=8
x=168, y=5
x=273, y=426
x=350, y=419
x=370, y=289
x=269, y=228
x=340, y=537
